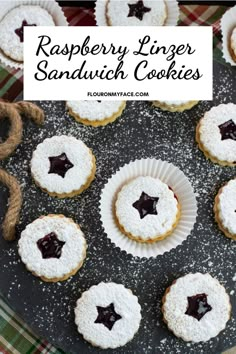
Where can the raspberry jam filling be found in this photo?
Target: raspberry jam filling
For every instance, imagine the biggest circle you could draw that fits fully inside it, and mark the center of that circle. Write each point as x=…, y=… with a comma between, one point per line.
x=107, y=316
x=146, y=205
x=60, y=164
x=20, y=31
x=50, y=246
x=138, y=10
x=198, y=306
x=228, y=130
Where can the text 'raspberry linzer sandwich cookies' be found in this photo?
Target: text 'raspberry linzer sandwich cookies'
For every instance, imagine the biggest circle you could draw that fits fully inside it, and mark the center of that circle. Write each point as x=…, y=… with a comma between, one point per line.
x=146, y=209
x=196, y=307
x=174, y=106
x=225, y=209
x=52, y=247
x=95, y=113
x=216, y=134
x=136, y=13
x=12, y=28
x=63, y=166
x=108, y=315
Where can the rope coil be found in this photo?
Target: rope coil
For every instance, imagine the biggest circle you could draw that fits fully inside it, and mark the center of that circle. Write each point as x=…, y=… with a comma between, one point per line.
x=13, y=112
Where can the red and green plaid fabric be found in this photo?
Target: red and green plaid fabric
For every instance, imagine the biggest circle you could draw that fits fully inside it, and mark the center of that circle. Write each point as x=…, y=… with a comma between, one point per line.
x=15, y=336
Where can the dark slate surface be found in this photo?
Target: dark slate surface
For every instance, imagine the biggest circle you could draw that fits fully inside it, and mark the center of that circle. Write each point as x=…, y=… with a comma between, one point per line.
x=141, y=132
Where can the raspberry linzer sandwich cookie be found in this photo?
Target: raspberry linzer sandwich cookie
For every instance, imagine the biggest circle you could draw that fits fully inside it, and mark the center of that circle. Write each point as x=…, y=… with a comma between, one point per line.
x=136, y=13
x=225, y=209
x=232, y=44
x=95, y=113
x=12, y=28
x=174, y=106
x=147, y=210
x=196, y=307
x=216, y=134
x=52, y=247
x=108, y=315
x=63, y=166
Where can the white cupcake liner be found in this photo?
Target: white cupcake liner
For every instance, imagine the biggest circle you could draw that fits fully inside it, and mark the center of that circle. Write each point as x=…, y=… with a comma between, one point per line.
x=50, y=5
x=172, y=12
x=228, y=23
x=167, y=173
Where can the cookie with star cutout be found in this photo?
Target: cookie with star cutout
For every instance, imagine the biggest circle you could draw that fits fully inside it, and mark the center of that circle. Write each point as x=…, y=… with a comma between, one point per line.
x=196, y=307
x=12, y=28
x=63, y=166
x=52, y=247
x=108, y=315
x=95, y=113
x=216, y=134
x=147, y=210
x=136, y=13
x=225, y=209
x=232, y=44
x=174, y=106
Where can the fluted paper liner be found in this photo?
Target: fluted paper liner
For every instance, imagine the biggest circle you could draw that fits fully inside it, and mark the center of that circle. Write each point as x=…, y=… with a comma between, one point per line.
x=167, y=173
x=228, y=23
x=172, y=12
x=50, y=5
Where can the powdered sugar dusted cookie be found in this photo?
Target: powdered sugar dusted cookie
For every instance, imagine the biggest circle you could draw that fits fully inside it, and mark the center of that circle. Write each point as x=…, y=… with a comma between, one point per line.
x=63, y=166
x=216, y=134
x=233, y=44
x=147, y=209
x=108, y=315
x=174, y=106
x=52, y=247
x=225, y=209
x=95, y=113
x=136, y=13
x=196, y=307
x=12, y=25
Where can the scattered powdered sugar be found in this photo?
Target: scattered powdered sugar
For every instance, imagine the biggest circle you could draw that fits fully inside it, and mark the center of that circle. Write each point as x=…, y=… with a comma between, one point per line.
x=125, y=304
x=150, y=226
x=141, y=132
x=176, y=303
x=77, y=153
x=94, y=110
x=72, y=251
x=227, y=206
x=210, y=135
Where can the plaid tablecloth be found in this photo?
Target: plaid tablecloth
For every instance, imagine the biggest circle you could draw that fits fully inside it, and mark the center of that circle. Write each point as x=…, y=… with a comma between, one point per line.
x=15, y=336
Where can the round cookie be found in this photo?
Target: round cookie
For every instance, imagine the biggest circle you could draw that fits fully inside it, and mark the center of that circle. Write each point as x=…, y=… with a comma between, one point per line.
x=216, y=134
x=196, y=307
x=146, y=210
x=232, y=45
x=174, y=106
x=63, y=166
x=108, y=315
x=52, y=247
x=136, y=13
x=11, y=28
x=225, y=209
x=95, y=113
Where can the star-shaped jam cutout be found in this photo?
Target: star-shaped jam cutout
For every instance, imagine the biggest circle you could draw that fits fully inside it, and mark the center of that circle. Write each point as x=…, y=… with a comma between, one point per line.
x=20, y=31
x=138, y=10
x=198, y=306
x=228, y=130
x=107, y=316
x=50, y=246
x=60, y=164
x=146, y=205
